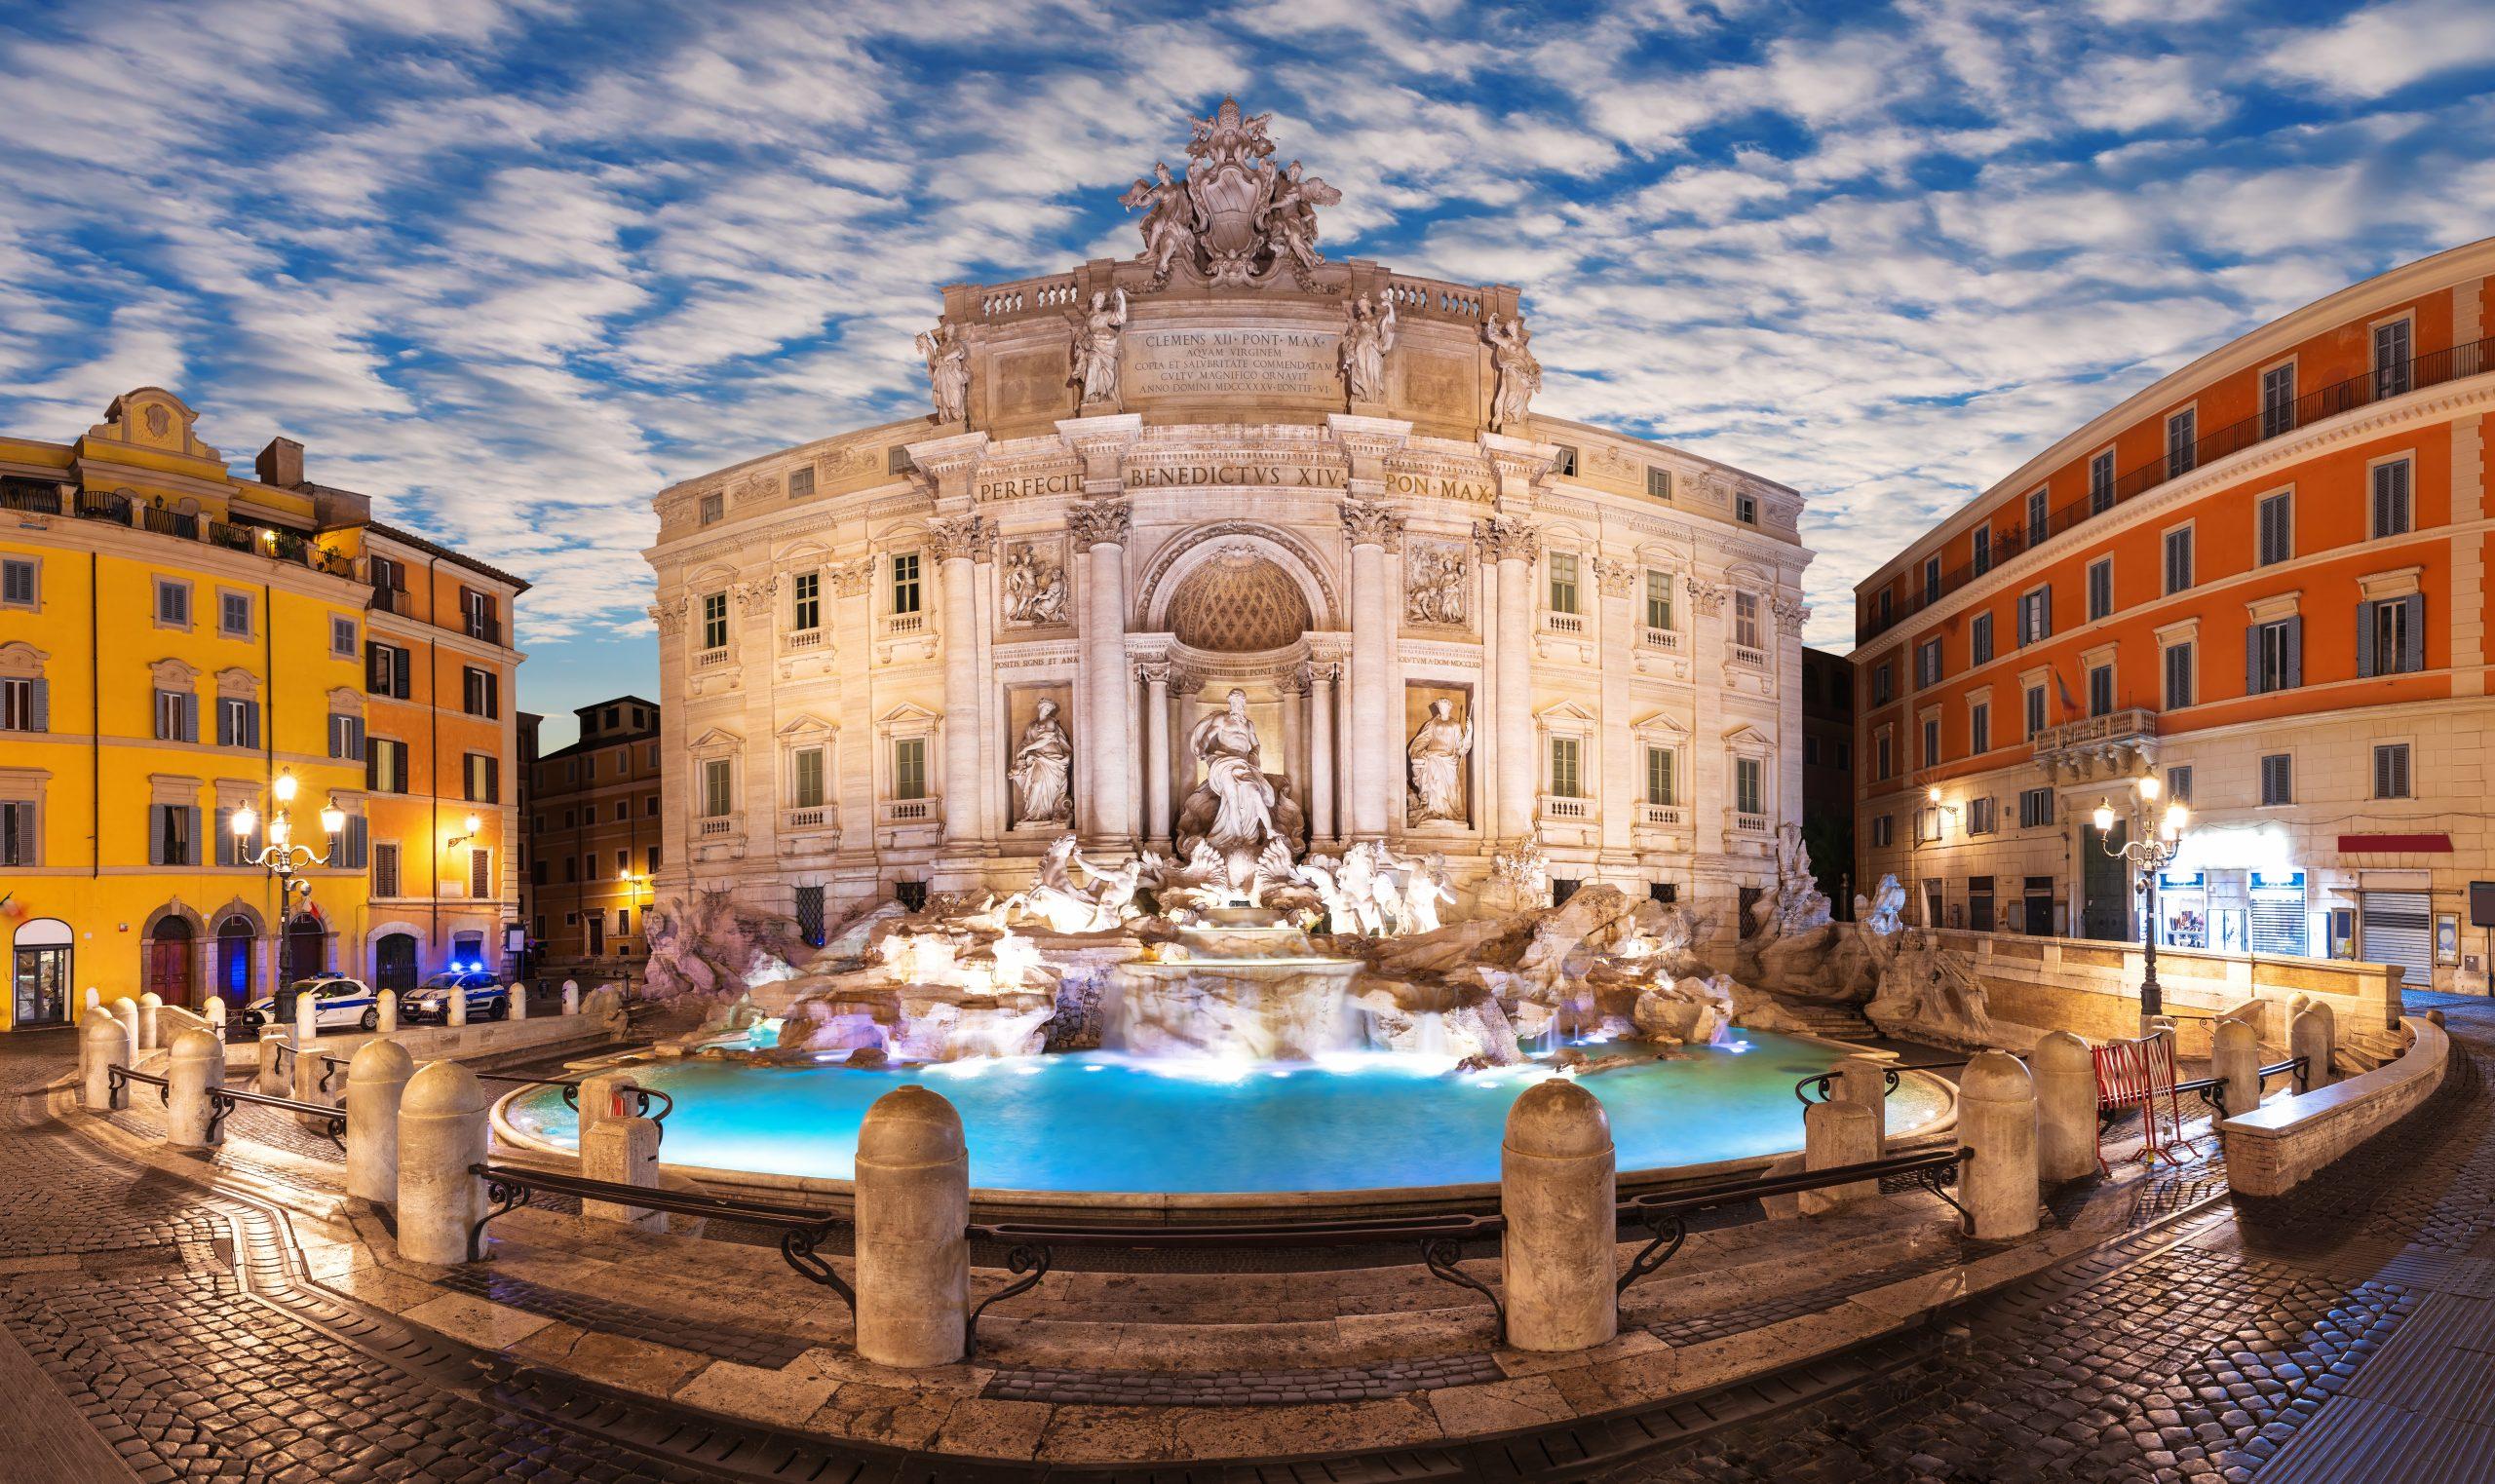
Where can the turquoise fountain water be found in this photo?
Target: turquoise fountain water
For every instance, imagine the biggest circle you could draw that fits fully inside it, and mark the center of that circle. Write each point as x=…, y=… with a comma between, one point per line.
x=1101, y=1121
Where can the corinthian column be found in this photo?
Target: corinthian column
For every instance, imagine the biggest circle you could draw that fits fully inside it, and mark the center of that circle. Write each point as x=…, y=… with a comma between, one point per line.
x=1511, y=545
x=1156, y=755
x=1100, y=528
x=1370, y=527
x=1710, y=792
x=1618, y=580
x=953, y=540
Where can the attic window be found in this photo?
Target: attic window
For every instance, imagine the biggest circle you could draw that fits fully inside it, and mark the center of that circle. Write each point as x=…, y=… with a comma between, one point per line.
x=801, y=483
x=714, y=505
x=897, y=461
x=1568, y=464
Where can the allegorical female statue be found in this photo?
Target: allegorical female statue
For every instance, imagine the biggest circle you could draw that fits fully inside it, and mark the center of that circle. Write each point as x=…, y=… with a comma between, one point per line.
x=948, y=370
x=1096, y=347
x=1369, y=333
x=1520, y=374
x=1436, y=761
x=1041, y=767
x=1238, y=807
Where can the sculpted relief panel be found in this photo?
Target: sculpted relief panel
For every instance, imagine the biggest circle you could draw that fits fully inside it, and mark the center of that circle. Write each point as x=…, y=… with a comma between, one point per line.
x=1438, y=579
x=1035, y=590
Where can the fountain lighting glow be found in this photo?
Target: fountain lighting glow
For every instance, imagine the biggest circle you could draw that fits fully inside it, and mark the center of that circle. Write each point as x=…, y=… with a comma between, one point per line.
x=1104, y=1122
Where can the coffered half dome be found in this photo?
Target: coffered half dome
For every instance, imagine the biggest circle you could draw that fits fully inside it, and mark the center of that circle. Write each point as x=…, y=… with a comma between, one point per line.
x=1238, y=602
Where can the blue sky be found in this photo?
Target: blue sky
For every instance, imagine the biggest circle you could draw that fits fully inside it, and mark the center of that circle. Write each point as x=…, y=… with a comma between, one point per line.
x=514, y=265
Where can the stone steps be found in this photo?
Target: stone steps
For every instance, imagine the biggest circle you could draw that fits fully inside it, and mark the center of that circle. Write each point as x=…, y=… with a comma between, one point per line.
x=1837, y=1022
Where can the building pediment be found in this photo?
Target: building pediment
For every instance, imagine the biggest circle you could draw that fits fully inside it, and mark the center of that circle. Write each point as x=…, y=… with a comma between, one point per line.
x=1746, y=736
x=909, y=714
x=807, y=724
x=718, y=736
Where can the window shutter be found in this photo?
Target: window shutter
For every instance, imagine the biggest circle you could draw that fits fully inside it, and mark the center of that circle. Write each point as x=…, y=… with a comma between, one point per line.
x=224, y=836
x=2413, y=641
x=190, y=718
x=156, y=834
x=42, y=705
x=2252, y=658
x=190, y=834
x=2367, y=618
x=251, y=723
x=377, y=668
x=493, y=781
x=372, y=771
x=356, y=738
x=493, y=693
x=2295, y=651
x=226, y=728
x=359, y=835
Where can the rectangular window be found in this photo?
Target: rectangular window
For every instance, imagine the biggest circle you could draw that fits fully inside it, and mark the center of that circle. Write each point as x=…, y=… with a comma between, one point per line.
x=2390, y=770
x=713, y=505
x=385, y=868
x=2038, y=513
x=1927, y=663
x=2035, y=808
x=1746, y=508
x=2178, y=559
x=2100, y=587
x=2393, y=349
x=1931, y=741
x=801, y=483
x=2273, y=655
x=1983, y=815
x=238, y=722
x=2278, y=778
x=480, y=874
x=2391, y=635
x=2178, y=783
x=174, y=834
x=1658, y=777
x=1564, y=779
x=173, y=604
x=715, y=620
x=24, y=705
x=384, y=765
x=1883, y=830
x=176, y=716
x=2278, y=400
x=1882, y=683
x=1748, y=785
x=2276, y=529
x=20, y=840
x=17, y=583
x=1746, y=625
x=1979, y=639
x=2100, y=483
x=481, y=692
x=906, y=582
x=1979, y=728
x=388, y=670
x=1932, y=579
x=806, y=779
x=805, y=608
x=2178, y=676
x=1880, y=755
x=234, y=615
x=342, y=637
x=2100, y=689
x=1564, y=583
x=483, y=777
x=2182, y=438
x=909, y=768
x=1659, y=601
x=1983, y=550
x=1659, y=483
x=479, y=615
x=2392, y=514
x=1566, y=465
x=2036, y=615
x=2035, y=711
x=715, y=798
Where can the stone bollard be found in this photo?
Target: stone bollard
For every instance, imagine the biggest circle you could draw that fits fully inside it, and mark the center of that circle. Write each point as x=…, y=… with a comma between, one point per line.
x=376, y=1079
x=518, y=1001
x=150, y=1032
x=307, y=1022
x=625, y=1151
x=195, y=1068
x=125, y=1011
x=93, y=1002
x=2066, y=1075
x=385, y=1012
x=571, y=996
x=2237, y=1057
x=1997, y=1128
x=103, y=1044
x=443, y=1130
x=913, y=1201
x=1863, y=1079
x=602, y=1097
x=215, y=1014
x=1838, y=1133
x=270, y=1080
x=455, y=1008
x=2313, y=1036
x=1558, y=1188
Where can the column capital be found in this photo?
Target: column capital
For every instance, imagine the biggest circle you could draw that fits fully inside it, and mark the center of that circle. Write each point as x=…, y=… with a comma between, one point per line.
x=1507, y=538
x=957, y=537
x=1617, y=578
x=1790, y=616
x=1302, y=680
x=757, y=596
x=1708, y=596
x=1184, y=682
x=1370, y=524
x=1154, y=673
x=1100, y=521
x=852, y=579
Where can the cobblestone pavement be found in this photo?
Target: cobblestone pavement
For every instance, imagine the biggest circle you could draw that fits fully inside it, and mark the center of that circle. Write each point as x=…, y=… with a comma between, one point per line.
x=2194, y=1352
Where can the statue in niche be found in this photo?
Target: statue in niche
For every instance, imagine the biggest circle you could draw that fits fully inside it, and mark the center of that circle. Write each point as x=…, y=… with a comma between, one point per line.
x=1369, y=334
x=948, y=371
x=1239, y=807
x=1042, y=765
x=1436, y=759
x=1520, y=374
x=1034, y=586
x=1434, y=584
x=1097, y=333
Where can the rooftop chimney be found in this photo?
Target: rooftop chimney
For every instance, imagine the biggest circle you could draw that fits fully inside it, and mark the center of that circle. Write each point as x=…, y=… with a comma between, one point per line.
x=281, y=463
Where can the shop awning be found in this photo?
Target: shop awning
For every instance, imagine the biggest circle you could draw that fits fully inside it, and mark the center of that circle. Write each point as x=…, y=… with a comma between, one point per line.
x=2394, y=845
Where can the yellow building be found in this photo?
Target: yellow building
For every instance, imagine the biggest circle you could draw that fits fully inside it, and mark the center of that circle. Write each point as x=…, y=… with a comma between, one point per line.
x=175, y=641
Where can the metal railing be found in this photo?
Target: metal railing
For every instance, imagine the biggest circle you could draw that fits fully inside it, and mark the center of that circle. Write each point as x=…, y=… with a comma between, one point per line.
x=641, y=1096
x=802, y=1233
x=1823, y=1083
x=1665, y=1216
x=331, y=1123
x=2383, y=382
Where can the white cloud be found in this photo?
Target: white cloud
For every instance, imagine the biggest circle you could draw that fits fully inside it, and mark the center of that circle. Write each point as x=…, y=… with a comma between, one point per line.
x=2384, y=48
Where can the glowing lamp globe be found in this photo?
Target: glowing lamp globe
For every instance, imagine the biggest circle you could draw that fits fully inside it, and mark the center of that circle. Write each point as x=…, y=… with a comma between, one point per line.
x=284, y=787
x=245, y=820
x=2104, y=817
x=333, y=821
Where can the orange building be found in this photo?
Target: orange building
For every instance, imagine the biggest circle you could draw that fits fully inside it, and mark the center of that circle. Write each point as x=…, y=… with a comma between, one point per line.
x=2262, y=577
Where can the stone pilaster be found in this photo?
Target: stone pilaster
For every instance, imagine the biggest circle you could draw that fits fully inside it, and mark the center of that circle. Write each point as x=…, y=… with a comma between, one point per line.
x=1100, y=528
x=1710, y=793
x=1510, y=546
x=1178, y=770
x=1156, y=755
x=1617, y=581
x=952, y=542
x=852, y=609
x=1320, y=750
x=1370, y=527
x=1792, y=614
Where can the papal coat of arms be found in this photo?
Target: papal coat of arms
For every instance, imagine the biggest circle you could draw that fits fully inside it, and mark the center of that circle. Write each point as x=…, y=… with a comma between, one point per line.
x=1234, y=216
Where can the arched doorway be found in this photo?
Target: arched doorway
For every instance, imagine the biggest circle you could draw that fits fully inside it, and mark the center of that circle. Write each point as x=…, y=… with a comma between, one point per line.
x=394, y=962
x=238, y=942
x=40, y=957
x=307, y=948
x=167, y=972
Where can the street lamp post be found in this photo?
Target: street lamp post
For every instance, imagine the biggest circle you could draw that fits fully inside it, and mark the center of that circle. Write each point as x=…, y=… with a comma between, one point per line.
x=2155, y=840
x=281, y=858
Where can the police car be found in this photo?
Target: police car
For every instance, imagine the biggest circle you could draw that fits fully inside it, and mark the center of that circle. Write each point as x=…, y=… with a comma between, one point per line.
x=341, y=1002
x=431, y=1000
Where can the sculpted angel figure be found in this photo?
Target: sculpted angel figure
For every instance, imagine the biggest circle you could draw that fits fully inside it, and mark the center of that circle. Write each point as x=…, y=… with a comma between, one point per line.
x=1096, y=347
x=1436, y=760
x=1168, y=224
x=1520, y=374
x=1042, y=764
x=948, y=370
x=1289, y=218
x=1424, y=888
x=1369, y=334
